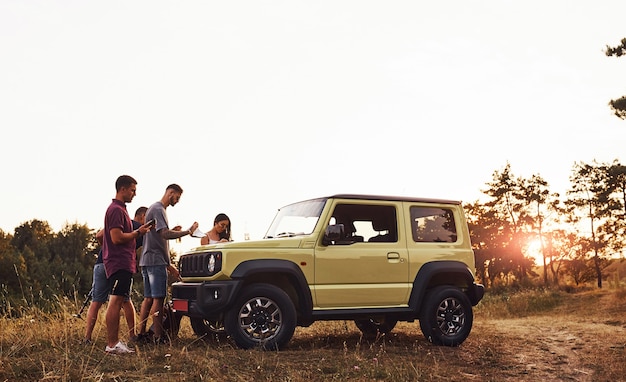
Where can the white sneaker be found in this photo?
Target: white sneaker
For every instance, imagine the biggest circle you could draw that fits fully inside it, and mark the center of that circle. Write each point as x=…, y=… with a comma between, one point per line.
x=119, y=348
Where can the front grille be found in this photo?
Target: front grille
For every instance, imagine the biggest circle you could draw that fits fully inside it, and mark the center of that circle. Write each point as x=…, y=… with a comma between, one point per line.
x=197, y=264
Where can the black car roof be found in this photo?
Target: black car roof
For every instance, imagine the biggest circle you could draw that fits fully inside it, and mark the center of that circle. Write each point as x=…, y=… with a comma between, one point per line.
x=394, y=198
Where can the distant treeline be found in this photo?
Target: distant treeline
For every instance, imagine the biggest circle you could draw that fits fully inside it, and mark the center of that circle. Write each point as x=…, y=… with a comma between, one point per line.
x=38, y=265
x=577, y=235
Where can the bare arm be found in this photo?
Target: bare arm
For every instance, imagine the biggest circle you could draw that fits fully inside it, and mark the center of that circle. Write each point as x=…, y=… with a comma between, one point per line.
x=175, y=233
x=169, y=234
x=100, y=236
x=119, y=237
x=204, y=239
x=173, y=271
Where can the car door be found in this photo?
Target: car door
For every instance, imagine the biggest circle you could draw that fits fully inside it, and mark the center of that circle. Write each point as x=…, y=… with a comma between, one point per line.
x=368, y=267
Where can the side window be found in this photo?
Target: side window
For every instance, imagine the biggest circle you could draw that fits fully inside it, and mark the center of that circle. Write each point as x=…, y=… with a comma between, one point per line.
x=366, y=223
x=433, y=225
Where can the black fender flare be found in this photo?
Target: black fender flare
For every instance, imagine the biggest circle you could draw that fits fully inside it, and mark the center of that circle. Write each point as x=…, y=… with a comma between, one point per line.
x=251, y=268
x=444, y=273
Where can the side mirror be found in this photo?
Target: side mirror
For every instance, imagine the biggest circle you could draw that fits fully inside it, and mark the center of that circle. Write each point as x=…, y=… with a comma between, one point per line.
x=332, y=234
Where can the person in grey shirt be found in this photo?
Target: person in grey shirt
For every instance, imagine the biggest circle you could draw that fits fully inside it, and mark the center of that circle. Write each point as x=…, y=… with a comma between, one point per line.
x=155, y=262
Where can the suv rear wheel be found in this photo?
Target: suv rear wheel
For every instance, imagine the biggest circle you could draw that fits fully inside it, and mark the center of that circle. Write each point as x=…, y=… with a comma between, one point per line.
x=263, y=315
x=446, y=317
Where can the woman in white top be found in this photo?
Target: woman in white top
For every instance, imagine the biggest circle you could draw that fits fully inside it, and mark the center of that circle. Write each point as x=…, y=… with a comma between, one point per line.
x=220, y=231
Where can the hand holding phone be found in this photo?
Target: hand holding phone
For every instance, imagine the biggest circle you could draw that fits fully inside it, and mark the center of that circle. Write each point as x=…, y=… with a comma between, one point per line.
x=151, y=222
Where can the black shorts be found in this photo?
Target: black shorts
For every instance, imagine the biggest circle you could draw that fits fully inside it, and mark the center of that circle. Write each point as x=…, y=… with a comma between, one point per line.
x=120, y=283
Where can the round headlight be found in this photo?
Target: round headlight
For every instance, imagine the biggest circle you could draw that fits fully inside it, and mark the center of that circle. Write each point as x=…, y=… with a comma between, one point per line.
x=211, y=265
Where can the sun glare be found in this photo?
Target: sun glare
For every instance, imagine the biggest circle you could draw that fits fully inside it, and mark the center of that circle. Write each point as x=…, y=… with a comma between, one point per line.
x=533, y=250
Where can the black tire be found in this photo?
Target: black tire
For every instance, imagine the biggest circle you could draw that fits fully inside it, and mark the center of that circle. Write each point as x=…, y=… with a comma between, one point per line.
x=208, y=328
x=446, y=316
x=262, y=316
x=171, y=322
x=375, y=326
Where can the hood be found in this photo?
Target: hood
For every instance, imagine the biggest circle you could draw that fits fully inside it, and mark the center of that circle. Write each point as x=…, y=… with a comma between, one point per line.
x=284, y=242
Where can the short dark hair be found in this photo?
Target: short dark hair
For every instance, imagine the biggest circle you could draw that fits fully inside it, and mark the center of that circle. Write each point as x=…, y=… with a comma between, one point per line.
x=141, y=211
x=124, y=181
x=174, y=187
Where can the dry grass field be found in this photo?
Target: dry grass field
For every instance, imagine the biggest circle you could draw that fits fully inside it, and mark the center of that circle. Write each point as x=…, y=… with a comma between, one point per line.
x=525, y=336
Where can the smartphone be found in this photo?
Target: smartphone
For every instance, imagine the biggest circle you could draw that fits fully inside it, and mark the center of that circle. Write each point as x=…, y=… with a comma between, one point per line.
x=151, y=222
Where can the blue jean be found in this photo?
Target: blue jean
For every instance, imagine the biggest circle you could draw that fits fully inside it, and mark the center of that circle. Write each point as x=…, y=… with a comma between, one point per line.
x=154, y=281
x=99, y=285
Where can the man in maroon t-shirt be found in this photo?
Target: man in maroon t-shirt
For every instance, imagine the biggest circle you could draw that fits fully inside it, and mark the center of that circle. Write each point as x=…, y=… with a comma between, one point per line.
x=118, y=255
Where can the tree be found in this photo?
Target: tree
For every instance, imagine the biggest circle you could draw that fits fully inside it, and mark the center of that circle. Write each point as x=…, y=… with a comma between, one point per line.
x=47, y=263
x=615, y=227
x=502, y=227
x=73, y=251
x=506, y=193
x=488, y=234
x=618, y=105
x=541, y=203
x=560, y=246
x=12, y=264
x=588, y=196
x=32, y=240
x=579, y=267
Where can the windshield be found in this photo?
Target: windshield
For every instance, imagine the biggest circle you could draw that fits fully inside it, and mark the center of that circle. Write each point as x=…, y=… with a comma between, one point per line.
x=296, y=219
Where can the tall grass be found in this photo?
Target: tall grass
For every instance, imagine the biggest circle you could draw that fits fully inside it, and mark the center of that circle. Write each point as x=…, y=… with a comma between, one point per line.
x=45, y=344
x=519, y=304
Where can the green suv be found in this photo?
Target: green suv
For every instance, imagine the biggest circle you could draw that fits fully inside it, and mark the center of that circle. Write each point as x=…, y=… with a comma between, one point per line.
x=373, y=259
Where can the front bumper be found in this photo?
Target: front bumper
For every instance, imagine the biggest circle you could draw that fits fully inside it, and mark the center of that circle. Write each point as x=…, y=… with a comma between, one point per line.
x=203, y=299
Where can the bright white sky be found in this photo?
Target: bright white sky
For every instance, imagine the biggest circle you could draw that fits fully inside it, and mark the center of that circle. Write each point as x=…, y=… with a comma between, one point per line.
x=251, y=105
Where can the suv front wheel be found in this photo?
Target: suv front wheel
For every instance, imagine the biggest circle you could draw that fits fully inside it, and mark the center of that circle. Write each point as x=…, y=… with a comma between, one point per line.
x=446, y=317
x=263, y=315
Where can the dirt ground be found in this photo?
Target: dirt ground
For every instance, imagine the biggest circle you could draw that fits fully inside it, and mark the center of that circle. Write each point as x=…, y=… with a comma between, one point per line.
x=583, y=340
x=581, y=337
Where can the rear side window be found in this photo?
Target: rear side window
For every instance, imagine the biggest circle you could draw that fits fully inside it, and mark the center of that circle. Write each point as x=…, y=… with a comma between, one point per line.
x=433, y=225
